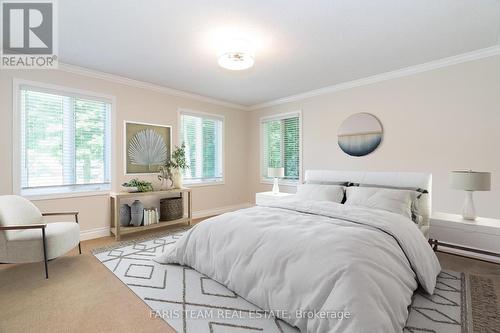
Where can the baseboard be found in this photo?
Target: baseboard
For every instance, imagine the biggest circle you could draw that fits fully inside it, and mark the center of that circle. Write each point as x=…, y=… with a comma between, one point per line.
x=220, y=210
x=104, y=231
x=94, y=233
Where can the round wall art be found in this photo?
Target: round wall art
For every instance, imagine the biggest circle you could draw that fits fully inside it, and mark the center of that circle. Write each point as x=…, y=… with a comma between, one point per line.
x=360, y=134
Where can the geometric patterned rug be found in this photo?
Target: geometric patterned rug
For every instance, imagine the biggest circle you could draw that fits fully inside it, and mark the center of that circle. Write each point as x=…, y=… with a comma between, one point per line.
x=193, y=303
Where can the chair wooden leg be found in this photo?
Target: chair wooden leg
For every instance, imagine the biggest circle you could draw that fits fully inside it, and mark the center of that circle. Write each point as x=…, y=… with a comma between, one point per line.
x=79, y=248
x=45, y=254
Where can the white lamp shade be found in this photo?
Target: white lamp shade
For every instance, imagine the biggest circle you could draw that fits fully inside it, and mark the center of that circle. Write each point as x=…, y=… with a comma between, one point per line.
x=276, y=172
x=470, y=180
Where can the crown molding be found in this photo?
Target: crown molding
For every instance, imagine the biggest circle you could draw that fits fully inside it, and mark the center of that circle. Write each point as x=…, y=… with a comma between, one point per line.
x=145, y=85
x=407, y=71
x=450, y=61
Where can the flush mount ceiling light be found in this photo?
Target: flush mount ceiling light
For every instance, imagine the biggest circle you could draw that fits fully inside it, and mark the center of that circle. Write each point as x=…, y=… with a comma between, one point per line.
x=237, y=55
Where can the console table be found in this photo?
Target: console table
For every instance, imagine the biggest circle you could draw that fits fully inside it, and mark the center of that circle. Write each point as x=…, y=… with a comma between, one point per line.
x=117, y=230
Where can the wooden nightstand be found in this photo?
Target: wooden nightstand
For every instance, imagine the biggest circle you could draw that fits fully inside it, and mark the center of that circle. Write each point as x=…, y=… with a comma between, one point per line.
x=264, y=198
x=478, y=239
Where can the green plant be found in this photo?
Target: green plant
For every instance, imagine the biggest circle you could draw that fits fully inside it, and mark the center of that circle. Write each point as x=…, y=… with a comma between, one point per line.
x=178, y=159
x=142, y=185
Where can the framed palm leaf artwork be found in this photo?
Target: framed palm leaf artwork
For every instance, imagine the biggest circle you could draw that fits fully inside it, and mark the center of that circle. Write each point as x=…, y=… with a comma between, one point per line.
x=147, y=147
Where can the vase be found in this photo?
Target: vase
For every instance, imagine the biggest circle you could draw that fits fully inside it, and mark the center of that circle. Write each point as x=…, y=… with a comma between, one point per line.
x=136, y=212
x=177, y=178
x=125, y=215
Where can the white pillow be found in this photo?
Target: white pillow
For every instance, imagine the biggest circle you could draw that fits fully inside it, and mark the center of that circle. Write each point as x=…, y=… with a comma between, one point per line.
x=320, y=192
x=396, y=201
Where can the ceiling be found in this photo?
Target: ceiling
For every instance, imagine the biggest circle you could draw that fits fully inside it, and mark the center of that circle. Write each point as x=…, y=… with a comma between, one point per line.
x=300, y=45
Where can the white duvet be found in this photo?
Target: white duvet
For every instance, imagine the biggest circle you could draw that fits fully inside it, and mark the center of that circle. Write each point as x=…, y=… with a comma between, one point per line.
x=315, y=256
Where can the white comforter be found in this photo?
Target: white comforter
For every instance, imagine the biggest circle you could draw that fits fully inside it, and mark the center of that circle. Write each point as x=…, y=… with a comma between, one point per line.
x=315, y=256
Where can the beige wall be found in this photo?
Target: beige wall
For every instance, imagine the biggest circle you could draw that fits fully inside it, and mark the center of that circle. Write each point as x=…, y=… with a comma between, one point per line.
x=435, y=121
x=134, y=104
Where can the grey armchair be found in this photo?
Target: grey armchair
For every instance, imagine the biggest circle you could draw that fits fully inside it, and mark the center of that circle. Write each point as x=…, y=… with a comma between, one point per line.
x=25, y=238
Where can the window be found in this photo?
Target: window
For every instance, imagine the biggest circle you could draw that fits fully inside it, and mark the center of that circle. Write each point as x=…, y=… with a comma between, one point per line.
x=203, y=137
x=281, y=145
x=65, y=142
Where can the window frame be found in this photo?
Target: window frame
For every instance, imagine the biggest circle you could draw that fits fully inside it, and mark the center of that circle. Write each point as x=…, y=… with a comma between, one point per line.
x=279, y=116
x=57, y=191
x=222, y=118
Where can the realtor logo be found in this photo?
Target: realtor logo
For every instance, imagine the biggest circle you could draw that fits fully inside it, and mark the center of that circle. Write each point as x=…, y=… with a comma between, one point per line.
x=28, y=34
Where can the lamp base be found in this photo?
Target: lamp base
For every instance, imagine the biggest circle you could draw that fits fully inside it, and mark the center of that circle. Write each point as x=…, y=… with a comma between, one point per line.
x=468, y=210
x=276, y=188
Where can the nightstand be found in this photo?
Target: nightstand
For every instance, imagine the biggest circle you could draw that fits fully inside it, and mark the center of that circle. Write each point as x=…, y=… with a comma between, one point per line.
x=478, y=239
x=264, y=198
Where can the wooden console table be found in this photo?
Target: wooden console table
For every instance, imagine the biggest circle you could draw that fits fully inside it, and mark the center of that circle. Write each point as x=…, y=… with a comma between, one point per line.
x=117, y=230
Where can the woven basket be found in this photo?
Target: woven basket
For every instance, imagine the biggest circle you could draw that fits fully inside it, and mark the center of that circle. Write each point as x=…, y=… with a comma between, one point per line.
x=171, y=209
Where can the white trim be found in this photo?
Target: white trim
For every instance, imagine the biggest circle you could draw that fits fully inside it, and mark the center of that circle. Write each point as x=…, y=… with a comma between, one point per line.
x=468, y=254
x=281, y=182
x=220, y=117
x=66, y=195
x=94, y=233
x=202, y=183
x=281, y=116
x=145, y=85
x=125, y=122
x=16, y=133
x=407, y=71
x=220, y=210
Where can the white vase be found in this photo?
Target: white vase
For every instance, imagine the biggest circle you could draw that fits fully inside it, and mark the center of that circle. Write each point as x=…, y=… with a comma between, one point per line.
x=177, y=178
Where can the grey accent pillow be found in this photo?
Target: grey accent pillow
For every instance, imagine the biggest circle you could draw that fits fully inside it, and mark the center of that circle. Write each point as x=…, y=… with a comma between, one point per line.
x=391, y=200
x=320, y=192
x=418, y=212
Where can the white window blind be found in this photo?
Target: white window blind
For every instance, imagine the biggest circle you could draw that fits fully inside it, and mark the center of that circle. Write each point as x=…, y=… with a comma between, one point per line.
x=203, y=137
x=281, y=145
x=65, y=142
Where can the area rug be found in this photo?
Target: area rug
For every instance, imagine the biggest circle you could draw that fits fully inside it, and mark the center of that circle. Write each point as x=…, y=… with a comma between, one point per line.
x=193, y=303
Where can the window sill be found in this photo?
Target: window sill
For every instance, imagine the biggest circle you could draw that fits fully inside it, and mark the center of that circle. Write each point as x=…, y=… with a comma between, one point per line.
x=63, y=193
x=200, y=183
x=293, y=183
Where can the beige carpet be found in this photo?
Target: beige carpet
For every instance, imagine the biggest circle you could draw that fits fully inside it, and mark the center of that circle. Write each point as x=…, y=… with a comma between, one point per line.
x=83, y=296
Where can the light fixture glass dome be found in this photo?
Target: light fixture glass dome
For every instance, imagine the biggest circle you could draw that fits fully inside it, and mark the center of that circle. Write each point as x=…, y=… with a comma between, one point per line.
x=237, y=55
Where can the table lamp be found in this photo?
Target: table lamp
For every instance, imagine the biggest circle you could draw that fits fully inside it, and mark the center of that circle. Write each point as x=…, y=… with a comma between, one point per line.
x=470, y=181
x=276, y=173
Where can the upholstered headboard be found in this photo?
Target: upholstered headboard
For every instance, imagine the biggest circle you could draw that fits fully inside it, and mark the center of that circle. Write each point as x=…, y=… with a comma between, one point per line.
x=407, y=180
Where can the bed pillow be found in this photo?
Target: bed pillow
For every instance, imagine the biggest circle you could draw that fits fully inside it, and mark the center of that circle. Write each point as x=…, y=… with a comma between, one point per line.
x=391, y=200
x=320, y=192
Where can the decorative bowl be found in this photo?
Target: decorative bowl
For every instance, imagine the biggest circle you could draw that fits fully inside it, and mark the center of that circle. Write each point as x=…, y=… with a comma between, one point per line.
x=130, y=189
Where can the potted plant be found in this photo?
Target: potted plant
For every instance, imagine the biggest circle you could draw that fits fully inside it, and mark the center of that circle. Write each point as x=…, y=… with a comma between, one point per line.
x=177, y=164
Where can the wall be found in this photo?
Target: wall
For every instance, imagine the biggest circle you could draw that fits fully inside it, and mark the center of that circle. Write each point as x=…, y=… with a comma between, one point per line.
x=134, y=104
x=436, y=121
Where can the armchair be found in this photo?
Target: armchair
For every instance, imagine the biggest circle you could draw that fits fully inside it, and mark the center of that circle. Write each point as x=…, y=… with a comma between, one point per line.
x=25, y=238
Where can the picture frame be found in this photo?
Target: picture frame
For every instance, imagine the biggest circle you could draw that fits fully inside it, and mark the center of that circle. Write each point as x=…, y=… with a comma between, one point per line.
x=146, y=147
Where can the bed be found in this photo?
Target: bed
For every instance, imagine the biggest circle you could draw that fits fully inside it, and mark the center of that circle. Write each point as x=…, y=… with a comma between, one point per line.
x=320, y=265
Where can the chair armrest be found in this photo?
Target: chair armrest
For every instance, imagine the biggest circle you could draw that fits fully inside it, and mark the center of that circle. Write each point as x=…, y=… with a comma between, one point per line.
x=75, y=214
x=25, y=226
x=60, y=213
